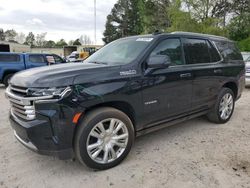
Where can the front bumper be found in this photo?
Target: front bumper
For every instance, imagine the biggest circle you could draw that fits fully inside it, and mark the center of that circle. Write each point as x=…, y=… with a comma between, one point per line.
x=38, y=136
x=44, y=126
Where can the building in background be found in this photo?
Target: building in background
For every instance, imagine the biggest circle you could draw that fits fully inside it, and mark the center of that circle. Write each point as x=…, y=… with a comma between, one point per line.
x=57, y=51
x=14, y=47
x=66, y=50
x=63, y=52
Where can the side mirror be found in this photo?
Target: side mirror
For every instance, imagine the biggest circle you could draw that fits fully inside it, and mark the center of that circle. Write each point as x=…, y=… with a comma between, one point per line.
x=158, y=61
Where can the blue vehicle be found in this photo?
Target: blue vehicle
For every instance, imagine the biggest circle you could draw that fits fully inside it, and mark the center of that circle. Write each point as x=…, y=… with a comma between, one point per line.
x=10, y=63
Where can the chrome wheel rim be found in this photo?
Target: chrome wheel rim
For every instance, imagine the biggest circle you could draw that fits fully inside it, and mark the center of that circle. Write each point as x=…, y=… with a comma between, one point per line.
x=107, y=140
x=226, y=106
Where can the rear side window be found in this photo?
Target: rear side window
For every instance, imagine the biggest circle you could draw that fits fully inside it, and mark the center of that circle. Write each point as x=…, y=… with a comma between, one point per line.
x=214, y=55
x=196, y=51
x=37, y=59
x=9, y=58
x=228, y=50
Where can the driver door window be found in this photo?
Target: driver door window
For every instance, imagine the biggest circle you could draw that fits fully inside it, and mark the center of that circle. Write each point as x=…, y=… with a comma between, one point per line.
x=172, y=48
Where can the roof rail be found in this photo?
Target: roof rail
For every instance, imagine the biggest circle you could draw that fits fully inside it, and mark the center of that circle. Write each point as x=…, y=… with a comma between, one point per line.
x=198, y=34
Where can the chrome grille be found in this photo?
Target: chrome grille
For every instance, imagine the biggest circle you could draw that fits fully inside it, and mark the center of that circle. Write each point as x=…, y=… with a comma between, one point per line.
x=20, y=106
x=21, y=91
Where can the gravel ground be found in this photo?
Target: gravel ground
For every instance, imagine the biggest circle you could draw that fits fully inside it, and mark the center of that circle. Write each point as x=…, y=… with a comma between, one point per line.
x=192, y=154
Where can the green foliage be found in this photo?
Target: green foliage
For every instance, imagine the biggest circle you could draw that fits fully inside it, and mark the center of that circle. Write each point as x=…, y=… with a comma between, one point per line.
x=245, y=45
x=239, y=27
x=125, y=19
x=50, y=44
x=219, y=17
x=10, y=35
x=61, y=43
x=30, y=39
x=77, y=42
x=156, y=15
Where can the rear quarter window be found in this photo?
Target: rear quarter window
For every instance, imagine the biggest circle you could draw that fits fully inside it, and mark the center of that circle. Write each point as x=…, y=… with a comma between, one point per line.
x=37, y=59
x=229, y=50
x=9, y=58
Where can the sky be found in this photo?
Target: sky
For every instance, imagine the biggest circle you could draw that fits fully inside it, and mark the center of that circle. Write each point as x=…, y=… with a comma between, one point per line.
x=67, y=19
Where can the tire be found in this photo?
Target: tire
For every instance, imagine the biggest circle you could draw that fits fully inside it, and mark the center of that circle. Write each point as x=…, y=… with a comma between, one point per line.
x=215, y=115
x=7, y=79
x=92, y=125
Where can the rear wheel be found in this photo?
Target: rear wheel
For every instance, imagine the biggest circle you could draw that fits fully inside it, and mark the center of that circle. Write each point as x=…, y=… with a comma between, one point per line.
x=104, y=138
x=223, y=108
x=6, y=79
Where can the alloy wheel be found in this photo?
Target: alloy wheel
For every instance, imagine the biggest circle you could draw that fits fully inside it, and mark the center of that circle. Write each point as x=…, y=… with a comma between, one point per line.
x=226, y=106
x=107, y=140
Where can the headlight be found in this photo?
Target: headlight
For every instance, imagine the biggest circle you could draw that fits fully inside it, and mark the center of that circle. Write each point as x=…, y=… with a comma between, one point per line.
x=55, y=92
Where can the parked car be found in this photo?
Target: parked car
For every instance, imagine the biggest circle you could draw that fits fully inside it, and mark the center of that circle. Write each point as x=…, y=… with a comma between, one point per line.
x=245, y=55
x=10, y=63
x=247, y=61
x=132, y=86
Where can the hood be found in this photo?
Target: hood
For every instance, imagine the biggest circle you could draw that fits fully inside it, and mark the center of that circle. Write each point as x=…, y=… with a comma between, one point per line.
x=57, y=75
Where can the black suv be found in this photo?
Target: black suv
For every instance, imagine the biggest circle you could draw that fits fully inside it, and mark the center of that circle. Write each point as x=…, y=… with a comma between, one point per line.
x=132, y=86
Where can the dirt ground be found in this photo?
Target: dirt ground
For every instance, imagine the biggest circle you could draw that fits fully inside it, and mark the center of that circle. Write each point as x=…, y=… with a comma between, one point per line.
x=193, y=154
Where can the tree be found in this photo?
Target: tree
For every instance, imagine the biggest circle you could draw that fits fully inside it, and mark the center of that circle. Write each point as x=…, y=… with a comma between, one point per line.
x=2, y=35
x=30, y=39
x=111, y=33
x=40, y=39
x=10, y=35
x=85, y=40
x=125, y=19
x=239, y=26
x=156, y=15
x=49, y=44
x=20, y=38
x=61, y=43
x=77, y=42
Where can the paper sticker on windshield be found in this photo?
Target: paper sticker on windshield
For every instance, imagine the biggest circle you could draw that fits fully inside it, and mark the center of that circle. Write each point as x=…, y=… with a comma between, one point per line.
x=145, y=39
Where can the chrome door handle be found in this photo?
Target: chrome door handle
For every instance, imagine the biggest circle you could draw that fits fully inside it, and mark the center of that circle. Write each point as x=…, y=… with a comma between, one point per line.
x=217, y=71
x=185, y=75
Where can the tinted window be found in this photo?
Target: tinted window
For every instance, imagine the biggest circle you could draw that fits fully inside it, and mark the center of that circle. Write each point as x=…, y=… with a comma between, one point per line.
x=228, y=50
x=214, y=55
x=171, y=48
x=196, y=51
x=37, y=59
x=7, y=58
x=58, y=59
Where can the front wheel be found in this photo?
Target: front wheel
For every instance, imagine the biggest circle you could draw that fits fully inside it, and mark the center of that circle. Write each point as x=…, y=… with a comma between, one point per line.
x=223, y=108
x=104, y=138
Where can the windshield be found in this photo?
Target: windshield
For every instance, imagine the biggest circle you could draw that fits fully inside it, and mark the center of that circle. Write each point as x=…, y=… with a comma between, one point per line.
x=120, y=52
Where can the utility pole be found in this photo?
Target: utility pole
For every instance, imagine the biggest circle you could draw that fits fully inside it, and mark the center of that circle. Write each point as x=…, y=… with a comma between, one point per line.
x=95, y=18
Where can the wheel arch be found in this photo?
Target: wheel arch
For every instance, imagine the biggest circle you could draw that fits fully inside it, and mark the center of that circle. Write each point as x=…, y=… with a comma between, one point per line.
x=233, y=86
x=123, y=106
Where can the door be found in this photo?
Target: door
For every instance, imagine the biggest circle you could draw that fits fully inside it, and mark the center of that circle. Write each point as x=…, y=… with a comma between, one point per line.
x=167, y=92
x=202, y=56
x=35, y=60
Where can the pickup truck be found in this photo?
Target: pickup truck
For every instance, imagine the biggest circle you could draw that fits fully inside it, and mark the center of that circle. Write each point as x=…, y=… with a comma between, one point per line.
x=10, y=63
